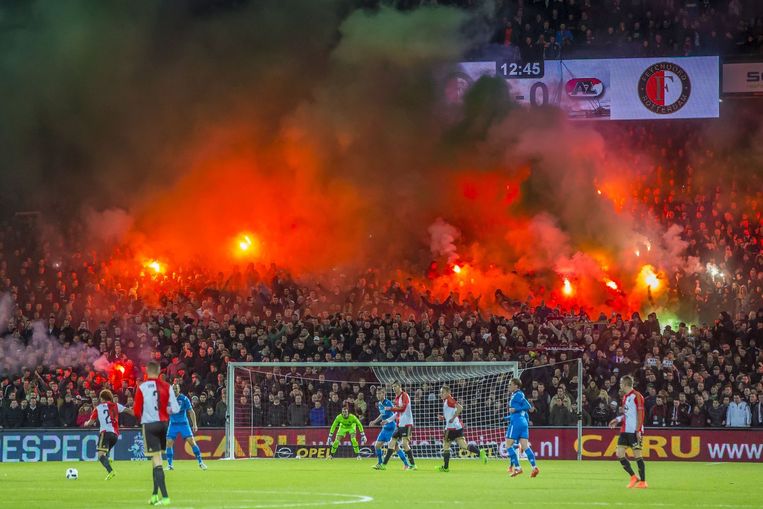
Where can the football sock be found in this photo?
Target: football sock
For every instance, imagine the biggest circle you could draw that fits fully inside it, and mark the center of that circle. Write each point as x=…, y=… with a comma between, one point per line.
x=409, y=453
x=379, y=455
x=105, y=462
x=156, y=480
x=530, y=456
x=355, y=448
x=334, y=447
x=513, y=459
x=641, y=469
x=159, y=473
x=401, y=454
x=446, y=458
x=170, y=452
x=389, y=455
x=627, y=466
x=196, y=452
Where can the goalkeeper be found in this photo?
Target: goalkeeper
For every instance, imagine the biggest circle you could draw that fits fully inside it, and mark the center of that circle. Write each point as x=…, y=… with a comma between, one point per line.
x=348, y=424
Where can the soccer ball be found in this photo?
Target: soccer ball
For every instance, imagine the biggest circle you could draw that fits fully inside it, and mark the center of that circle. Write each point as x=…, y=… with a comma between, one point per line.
x=72, y=474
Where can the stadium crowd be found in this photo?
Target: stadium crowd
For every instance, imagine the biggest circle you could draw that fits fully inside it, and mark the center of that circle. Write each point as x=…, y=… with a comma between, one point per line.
x=640, y=28
x=708, y=374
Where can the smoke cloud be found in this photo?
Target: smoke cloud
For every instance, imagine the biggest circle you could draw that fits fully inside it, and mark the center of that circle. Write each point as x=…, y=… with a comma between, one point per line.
x=40, y=349
x=319, y=133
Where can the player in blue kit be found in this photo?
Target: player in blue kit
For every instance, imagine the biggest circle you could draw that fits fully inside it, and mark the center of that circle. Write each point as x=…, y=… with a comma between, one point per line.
x=519, y=429
x=179, y=425
x=387, y=418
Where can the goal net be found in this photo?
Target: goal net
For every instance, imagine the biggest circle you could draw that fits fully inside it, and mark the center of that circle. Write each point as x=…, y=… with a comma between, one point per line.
x=263, y=396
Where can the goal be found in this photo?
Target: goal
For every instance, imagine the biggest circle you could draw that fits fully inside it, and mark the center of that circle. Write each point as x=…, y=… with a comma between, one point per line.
x=480, y=387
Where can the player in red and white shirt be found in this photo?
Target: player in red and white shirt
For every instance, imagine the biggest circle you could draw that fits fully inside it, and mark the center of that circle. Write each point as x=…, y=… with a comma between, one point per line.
x=404, y=418
x=454, y=429
x=154, y=401
x=107, y=415
x=631, y=429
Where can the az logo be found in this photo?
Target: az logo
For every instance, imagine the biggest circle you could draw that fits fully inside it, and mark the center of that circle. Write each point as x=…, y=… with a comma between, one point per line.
x=584, y=87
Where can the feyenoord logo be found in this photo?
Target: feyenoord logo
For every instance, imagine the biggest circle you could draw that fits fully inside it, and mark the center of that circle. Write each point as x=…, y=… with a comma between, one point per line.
x=664, y=88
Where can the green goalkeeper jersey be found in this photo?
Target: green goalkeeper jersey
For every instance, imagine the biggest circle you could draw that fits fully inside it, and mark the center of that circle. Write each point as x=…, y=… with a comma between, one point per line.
x=346, y=424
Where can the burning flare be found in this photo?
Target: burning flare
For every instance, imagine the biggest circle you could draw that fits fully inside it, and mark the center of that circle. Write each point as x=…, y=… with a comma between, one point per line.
x=567, y=288
x=649, y=277
x=246, y=245
x=155, y=266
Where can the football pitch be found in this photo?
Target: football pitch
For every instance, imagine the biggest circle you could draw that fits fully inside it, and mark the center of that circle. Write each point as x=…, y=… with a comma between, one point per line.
x=261, y=484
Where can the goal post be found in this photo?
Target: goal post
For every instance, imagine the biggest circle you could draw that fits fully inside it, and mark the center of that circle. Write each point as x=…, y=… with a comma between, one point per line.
x=480, y=387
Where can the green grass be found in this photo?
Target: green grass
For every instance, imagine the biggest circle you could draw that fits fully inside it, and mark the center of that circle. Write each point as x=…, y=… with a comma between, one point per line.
x=283, y=484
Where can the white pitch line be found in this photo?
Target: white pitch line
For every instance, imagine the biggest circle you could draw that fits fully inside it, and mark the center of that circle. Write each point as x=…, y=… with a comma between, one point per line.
x=356, y=499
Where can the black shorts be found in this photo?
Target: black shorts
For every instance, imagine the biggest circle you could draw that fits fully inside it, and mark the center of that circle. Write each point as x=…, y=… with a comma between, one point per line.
x=106, y=441
x=402, y=432
x=631, y=440
x=454, y=434
x=155, y=437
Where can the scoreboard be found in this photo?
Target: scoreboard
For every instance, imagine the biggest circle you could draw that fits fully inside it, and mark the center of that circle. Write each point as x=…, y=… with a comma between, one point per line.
x=604, y=89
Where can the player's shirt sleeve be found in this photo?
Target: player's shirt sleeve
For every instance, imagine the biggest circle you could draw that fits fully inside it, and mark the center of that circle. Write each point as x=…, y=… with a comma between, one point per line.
x=174, y=407
x=335, y=424
x=639, y=412
x=94, y=414
x=355, y=421
x=121, y=408
x=138, y=406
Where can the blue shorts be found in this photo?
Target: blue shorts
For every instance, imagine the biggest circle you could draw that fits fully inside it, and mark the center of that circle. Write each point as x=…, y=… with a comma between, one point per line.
x=517, y=431
x=385, y=435
x=183, y=429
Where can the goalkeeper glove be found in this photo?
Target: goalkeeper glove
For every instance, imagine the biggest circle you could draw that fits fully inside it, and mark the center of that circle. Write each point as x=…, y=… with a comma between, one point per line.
x=328, y=441
x=362, y=439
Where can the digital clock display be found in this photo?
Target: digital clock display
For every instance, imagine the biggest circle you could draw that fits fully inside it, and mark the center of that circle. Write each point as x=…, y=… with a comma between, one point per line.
x=519, y=70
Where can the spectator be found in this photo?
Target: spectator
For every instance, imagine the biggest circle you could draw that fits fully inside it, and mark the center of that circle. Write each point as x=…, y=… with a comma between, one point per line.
x=276, y=413
x=698, y=417
x=32, y=414
x=334, y=406
x=128, y=420
x=49, y=414
x=14, y=418
x=658, y=415
x=221, y=409
x=258, y=412
x=738, y=413
x=68, y=412
x=679, y=414
x=756, y=411
x=601, y=414
x=207, y=419
x=317, y=414
x=561, y=413
x=297, y=413
x=716, y=414
x=84, y=414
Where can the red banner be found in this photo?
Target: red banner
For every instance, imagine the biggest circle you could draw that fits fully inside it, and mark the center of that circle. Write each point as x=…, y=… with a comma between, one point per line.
x=552, y=443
